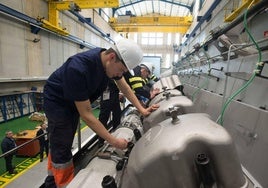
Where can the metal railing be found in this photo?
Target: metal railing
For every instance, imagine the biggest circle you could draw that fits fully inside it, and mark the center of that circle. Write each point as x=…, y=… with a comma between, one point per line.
x=20, y=146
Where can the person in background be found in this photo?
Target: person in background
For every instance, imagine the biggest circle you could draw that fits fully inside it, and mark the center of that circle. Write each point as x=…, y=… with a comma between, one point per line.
x=8, y=144
x=138, y=80
x=110, y=103
x=43, y=140
x=69, y=93
x=151, y=80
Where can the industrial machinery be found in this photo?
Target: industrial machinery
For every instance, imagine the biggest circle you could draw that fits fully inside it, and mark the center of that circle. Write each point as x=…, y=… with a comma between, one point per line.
x=169, y=148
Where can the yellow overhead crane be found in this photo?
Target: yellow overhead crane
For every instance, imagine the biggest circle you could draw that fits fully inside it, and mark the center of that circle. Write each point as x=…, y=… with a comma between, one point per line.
x=151, y=24
x=155, y=23
x=54, y=7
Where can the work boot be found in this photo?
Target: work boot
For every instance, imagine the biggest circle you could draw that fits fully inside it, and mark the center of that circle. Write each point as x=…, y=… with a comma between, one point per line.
x=13, y=172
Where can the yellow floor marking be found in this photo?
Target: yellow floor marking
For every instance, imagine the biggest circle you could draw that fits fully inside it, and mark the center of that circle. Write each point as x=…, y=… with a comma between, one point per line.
x=7, y=178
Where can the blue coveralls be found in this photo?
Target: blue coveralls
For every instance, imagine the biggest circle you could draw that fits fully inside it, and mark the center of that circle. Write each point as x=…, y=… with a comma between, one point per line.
x=110, y=104
x=80, y=78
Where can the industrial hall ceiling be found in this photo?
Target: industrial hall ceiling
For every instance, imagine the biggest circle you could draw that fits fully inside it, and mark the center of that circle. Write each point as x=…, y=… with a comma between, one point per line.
x=152, y=16
x=128, y=15
x=162, y=7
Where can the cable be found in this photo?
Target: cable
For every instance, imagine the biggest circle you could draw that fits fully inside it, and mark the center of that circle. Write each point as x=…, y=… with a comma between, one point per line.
x=220, y=120
x=227, y=70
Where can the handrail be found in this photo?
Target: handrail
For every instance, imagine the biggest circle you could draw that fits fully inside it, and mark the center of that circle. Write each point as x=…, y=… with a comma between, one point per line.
x=20, y=146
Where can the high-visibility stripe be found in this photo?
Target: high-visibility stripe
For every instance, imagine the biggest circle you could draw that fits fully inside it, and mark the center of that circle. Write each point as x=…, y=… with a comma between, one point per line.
x=63, y=173
x=63, y=176
x=137, y=85
x=133, y=79
x=144, y=81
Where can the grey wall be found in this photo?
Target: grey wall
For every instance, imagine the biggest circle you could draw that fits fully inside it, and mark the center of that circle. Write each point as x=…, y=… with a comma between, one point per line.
x=20, y=57
x=245, y=120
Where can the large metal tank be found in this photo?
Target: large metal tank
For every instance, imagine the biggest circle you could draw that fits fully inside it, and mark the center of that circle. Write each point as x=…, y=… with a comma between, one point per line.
x=171, y=103
x=190, y=152
x=171, y=150
x=170, y=82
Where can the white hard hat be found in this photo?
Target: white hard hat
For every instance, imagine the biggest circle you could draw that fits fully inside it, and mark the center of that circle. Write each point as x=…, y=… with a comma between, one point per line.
x=148, y=66
x=129, y=52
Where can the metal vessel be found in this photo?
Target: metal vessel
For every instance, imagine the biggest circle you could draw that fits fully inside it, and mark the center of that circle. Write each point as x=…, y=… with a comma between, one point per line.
x=169, y=148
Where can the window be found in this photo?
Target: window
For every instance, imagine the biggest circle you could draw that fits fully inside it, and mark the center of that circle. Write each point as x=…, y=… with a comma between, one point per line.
x=167, y=62
x=169, y=38
x=177, y=38
x=135, y=37
x=152, y=38
x=201, y=3
x=176, y=57
x=105, y=12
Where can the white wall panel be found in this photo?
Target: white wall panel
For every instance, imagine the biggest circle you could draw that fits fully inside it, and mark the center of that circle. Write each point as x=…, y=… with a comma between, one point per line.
x=14, y=60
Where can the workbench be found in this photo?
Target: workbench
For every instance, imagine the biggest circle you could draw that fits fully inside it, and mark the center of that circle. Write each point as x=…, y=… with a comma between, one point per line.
x=31, y=149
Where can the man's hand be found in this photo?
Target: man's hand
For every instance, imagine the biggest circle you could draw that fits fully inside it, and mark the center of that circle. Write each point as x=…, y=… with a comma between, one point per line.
x=122, y=99
x=120, y=143
x=154, y=92
x=153, y=107
x=150, y=109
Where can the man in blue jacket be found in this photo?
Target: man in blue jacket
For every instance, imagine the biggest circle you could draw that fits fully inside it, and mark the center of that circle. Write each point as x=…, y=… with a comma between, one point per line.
x=110, y=107
x=8, y=144
x=68, y=95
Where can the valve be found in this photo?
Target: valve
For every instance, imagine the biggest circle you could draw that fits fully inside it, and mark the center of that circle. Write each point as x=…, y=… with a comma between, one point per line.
x=173, y=112
x=166, y=93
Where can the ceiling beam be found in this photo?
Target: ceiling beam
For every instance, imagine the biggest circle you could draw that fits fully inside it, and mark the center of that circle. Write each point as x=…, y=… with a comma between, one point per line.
x=83, y=4
x=151, y=24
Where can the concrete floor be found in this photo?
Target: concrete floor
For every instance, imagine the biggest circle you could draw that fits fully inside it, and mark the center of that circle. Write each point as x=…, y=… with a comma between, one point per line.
x=35, y=176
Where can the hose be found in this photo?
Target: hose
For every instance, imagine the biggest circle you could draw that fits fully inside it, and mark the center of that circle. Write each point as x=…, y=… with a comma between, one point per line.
x=256, y=70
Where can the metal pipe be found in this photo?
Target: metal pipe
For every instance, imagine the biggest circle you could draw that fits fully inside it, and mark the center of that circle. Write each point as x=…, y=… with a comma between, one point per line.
x=224, y=30
x=240, y=19
x=227, y=70
x=244, y=45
